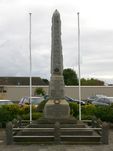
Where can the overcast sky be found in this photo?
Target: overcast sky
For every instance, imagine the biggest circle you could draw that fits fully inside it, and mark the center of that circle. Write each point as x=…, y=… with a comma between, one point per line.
x=96, y=27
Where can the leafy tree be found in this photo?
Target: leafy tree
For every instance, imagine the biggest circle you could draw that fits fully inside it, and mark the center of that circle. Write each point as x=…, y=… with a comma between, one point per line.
x=39, y=91
x=22, y=81
x=91, y=81
x=70, y=77
x=46, y=81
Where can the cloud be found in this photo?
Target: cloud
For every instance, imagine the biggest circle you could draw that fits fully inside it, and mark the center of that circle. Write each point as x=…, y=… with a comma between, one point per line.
x=96, y=37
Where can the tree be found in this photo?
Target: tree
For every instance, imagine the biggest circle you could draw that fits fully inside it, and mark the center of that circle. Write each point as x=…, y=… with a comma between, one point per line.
x=39, y=91
x=91, y=81
x=70, y=77
x=46, y=81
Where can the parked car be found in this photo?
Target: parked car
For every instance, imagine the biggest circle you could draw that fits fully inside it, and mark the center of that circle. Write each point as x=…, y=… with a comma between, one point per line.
x=5, y=102
x=111, y=99
x=102, y=101
x=35, y=100
x=95, y=97
x=69, y=99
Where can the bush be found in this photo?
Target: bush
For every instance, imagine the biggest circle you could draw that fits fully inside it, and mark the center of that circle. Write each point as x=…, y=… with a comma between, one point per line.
x=105, y=113
x=15, y=109
x=9, y=112
x=88, y=109
x=74, y=109
x=86, y=117
x=35, y=116
x=26, y=109
x=5, y=117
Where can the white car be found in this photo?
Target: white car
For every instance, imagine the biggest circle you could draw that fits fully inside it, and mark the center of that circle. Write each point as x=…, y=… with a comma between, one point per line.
x=95, y=97
x=102, y=101
x=5, y=102
x=34, y=100
x=111, y=99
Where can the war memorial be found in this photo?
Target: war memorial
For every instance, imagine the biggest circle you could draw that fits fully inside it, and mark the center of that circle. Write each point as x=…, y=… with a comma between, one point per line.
x=57, y=126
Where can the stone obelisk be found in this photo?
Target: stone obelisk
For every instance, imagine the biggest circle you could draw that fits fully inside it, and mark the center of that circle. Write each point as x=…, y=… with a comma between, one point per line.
x=56, y=107
x=56, y=82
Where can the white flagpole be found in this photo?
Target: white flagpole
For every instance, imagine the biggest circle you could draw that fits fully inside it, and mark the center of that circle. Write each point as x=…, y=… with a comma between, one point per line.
x=30, y=78
x=79, y=74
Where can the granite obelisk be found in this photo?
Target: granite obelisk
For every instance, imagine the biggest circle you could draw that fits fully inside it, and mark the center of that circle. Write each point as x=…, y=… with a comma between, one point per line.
x=56, y=90
x=56, y=107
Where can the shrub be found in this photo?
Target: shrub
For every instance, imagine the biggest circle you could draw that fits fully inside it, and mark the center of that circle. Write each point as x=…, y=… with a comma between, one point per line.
x=5, y=117
x=88, y=109
x=86, y=117
x=26, y=109
x=9, y=112
x=105, y=113
x=13, y=109
x=35, y=116
x=74, y=109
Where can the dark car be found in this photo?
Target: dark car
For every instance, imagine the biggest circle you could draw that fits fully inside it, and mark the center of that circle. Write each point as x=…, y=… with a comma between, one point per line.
x=69, y=99
x=102, y=101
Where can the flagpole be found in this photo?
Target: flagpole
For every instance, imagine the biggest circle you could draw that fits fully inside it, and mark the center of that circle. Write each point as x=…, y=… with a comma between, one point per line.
x=30, y=78
x=79, y=74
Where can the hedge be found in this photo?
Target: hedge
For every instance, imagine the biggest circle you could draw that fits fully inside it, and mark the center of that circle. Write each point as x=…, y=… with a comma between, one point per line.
x=9, y=112
x=105, y=113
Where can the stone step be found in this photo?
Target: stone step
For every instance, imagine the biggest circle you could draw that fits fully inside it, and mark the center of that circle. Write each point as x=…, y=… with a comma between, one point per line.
x=30, y=139
x=38, y=132
x=77, y=132
x=34, y=131
x=65, y=139
x=80, y=143
x=70, y=120
x=80, y=134
x=68, y=138
x=52, y=125
x=50, y=131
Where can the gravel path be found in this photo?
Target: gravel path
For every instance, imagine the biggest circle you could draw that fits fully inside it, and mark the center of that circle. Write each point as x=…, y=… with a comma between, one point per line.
x=4, y=147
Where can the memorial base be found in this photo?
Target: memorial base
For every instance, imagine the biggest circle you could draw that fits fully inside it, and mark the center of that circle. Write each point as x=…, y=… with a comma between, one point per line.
x=57, y=110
